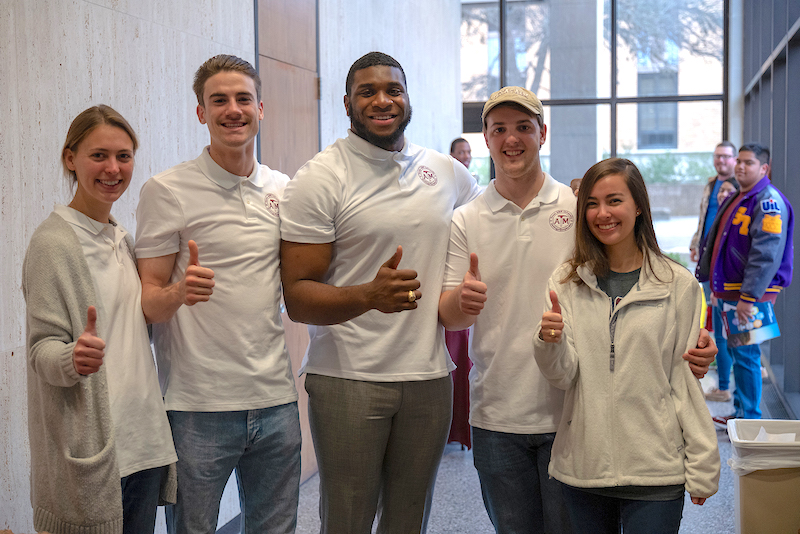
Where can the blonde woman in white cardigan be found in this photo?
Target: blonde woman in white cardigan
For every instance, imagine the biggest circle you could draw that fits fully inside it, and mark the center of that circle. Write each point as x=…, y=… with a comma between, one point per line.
x=635, y=432
x=100, y=439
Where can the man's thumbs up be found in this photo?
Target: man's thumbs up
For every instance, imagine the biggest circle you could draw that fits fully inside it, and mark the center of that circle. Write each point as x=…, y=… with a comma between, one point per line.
x=473, y=292
x=198, y=282
x=552, y=321
x=88, y=353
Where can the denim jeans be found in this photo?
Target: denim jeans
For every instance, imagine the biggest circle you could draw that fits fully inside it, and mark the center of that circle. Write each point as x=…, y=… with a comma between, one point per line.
x=264, y=448
x=747, y=374
x=724, y=359
x=378, y=446
x=599, y=514
x=140, y=500
x=518, y=494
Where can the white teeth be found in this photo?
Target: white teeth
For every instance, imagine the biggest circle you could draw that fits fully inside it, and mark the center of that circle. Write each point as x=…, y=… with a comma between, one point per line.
x=234, y=124
x=513, y=152
x=607, y=226
x=383, y=118
x=110, y=182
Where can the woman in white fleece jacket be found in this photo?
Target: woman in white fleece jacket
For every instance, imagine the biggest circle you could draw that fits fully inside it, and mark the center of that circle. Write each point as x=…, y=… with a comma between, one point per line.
x=635, y=431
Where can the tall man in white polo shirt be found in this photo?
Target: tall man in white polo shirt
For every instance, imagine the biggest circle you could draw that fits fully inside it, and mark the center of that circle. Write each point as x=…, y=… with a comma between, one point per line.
x=208, y=245
x=509, y=241
x=365, y=227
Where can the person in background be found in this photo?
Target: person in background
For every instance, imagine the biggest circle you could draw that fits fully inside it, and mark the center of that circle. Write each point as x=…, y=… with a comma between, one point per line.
x=575, y=185
x=461, y=150
x=635, y=433
x=748, y=257
x=724, y=161
x=99, y=435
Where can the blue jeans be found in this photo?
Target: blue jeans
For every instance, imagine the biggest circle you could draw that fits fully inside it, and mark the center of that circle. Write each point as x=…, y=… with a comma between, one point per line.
x=140, y=500
x=609, y=515
x=264, y=448
x=518, y=494
x=747, y=374
x=724, y=359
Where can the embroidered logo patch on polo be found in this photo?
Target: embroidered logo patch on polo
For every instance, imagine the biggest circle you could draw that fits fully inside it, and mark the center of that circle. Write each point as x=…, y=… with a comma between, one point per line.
x=271, y=202
x=427, y=176
x=562, y=220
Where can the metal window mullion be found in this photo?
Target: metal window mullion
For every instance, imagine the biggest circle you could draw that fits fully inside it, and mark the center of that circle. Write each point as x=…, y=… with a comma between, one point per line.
x=613, y=93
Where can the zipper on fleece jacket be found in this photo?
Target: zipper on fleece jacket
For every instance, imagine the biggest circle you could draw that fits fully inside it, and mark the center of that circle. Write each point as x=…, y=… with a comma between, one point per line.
x=612, y=329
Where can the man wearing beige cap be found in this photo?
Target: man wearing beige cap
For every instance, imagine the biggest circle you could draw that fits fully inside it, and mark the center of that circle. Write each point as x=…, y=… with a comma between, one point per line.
x=514, y=411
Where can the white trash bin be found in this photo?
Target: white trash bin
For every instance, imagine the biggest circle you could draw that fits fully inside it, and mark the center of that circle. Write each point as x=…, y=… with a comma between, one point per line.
x=767, y=482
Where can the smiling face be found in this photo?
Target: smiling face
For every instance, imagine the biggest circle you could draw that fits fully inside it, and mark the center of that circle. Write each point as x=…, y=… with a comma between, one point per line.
x=378, y=106
x=724, y=161
x=611, y=213
x=103, y=165
x=514, y=139
x=463, y=153
x=749, y=170
x=726, y=189
x=231, y=111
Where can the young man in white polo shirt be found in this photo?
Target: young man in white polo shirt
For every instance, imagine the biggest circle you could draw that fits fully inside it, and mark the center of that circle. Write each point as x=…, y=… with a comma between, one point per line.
x=508, y=241
x=365, y=227
x=208, y=243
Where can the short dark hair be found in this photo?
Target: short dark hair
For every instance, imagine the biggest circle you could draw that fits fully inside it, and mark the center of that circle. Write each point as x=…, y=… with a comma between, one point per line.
x=455, y=142
x=760, y=151
x=733, y=182
x=727, y=144
x=223, y=63
x=371, y=59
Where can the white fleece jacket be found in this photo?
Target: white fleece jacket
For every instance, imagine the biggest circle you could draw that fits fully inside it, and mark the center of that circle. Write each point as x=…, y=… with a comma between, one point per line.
x=633, y=415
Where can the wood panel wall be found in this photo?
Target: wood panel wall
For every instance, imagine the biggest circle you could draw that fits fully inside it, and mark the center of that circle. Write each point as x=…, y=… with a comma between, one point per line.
x=287, y=63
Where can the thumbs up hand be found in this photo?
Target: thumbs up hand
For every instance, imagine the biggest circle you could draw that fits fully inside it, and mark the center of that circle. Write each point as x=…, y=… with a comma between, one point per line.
x=88, y=353
x=198, y=282
x=394, y=290
x=552, y=322
x=472, y=295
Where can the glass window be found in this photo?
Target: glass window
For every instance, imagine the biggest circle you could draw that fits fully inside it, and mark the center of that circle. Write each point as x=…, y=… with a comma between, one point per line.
x=480, y=50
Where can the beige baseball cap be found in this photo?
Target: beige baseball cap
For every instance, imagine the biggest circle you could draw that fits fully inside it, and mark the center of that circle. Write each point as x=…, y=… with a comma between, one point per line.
x=517, y=95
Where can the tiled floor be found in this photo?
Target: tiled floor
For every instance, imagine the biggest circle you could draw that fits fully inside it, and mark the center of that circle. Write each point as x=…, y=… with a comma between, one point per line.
x=458, y=508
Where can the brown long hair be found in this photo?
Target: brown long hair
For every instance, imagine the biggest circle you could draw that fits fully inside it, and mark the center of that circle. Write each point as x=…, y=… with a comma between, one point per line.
x=587, y=247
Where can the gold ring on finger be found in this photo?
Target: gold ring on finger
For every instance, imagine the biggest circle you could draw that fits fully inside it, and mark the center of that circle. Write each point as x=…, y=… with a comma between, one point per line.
x=411, y=295
x=552, y=332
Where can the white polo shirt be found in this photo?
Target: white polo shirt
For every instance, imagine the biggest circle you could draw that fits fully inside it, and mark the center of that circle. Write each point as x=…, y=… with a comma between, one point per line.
x=141, y=430
x=367, y=201
x=228, y=353
x=518, y=250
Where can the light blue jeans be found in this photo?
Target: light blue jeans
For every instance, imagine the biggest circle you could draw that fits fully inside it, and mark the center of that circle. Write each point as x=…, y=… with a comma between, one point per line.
x=264, y=448
x=724, y=358
x=518, y=494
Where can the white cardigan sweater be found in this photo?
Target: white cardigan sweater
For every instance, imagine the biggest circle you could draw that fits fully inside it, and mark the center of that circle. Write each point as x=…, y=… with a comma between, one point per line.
x=633, y=415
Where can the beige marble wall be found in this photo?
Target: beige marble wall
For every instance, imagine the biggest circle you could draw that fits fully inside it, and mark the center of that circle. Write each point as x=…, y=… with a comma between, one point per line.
x=423, y=36
x=58, y=57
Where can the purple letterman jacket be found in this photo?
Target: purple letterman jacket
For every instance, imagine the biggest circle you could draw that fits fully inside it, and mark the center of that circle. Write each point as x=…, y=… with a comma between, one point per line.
x=756, y=247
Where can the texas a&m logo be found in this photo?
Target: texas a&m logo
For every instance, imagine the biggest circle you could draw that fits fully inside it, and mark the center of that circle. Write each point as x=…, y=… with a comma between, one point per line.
x=427, y=176
x=271, y=202
x=562, y=220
